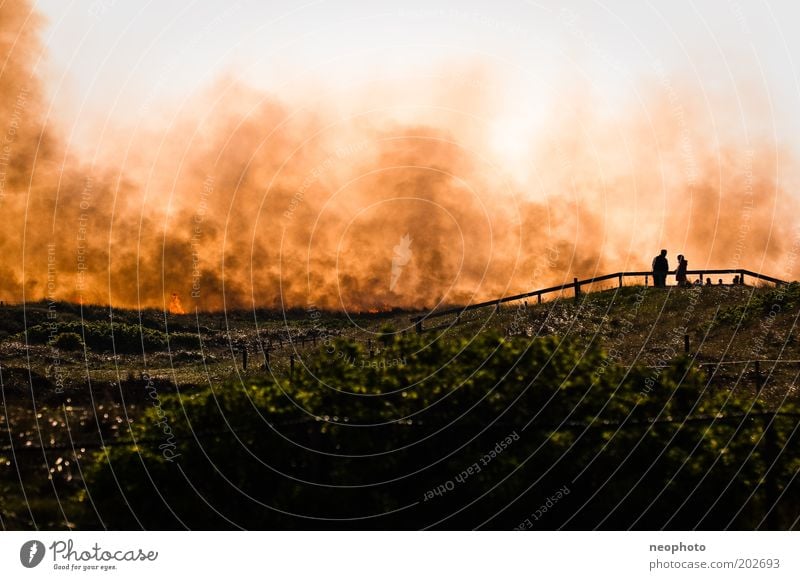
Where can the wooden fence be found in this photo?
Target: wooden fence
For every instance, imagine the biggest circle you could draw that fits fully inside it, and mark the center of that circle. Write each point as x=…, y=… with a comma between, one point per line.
x=576, y=285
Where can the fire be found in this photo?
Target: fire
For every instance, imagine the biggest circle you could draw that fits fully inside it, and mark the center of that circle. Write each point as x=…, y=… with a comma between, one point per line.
x=175, y=306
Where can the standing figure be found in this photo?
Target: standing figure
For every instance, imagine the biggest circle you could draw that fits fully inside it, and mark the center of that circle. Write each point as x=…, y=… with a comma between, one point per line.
x=660, y=269
x=680, y=271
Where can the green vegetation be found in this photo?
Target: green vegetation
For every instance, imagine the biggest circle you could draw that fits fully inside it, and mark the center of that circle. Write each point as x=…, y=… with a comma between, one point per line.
x=760, y=305
x=377, y=423
x=107, y=337
x=69, y=341
x=637, y=447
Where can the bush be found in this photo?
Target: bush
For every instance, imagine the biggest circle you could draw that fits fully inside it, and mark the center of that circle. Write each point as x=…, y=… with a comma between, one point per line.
x=104, y=336
x=759, y=305
x=183, y=341
x=68, y=341
x=350, y=443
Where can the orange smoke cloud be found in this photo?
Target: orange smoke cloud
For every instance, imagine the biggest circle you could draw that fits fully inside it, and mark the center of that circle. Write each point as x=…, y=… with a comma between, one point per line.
x=248, y=200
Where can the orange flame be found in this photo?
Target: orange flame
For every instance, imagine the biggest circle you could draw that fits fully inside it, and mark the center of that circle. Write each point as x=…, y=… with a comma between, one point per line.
x=175, y=306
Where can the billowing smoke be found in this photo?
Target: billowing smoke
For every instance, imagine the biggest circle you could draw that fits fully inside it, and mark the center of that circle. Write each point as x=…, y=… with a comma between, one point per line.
x=248, y=199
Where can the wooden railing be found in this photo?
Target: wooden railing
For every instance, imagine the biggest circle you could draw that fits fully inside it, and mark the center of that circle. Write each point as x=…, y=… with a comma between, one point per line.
x=575, y=286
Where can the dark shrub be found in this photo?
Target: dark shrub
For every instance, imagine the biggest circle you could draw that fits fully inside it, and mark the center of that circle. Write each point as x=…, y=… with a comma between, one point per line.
x=68, y=341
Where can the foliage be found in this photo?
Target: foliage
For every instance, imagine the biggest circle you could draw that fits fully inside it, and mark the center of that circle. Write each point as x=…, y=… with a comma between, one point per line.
x=351, y=442
x=118, y=337
x=68, y=341
x=768, y=302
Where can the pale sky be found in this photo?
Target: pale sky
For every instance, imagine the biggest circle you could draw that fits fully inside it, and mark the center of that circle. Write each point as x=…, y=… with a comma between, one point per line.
x=109, y=57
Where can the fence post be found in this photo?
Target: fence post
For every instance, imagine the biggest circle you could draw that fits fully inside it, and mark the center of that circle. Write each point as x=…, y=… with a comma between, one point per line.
x=686, y=343
x=620, y=280
x=539, y=298
x=577, y=289
x=418, y=325
x=646, y=280
x=244, y=357
x=758, y=378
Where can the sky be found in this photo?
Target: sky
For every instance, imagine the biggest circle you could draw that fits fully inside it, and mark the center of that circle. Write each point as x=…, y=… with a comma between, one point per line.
x=114, y=59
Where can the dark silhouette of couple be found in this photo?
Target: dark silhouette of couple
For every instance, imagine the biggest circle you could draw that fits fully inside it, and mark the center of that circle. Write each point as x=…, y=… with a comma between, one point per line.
x=661, y=269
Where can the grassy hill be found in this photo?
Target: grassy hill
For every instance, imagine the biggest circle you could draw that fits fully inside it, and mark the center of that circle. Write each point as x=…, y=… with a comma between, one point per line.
x=602, y=380
x=645, y=325
x=635, y=324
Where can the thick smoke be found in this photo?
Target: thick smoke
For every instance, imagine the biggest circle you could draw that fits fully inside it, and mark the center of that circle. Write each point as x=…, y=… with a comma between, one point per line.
x=246, y=199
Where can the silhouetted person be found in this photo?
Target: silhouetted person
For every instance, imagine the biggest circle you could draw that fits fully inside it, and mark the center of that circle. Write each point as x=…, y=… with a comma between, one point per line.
x=708, y=282
x=698, y=282
x=735, y=280
x=660, y=270
x=719, y=282
x=680, y=271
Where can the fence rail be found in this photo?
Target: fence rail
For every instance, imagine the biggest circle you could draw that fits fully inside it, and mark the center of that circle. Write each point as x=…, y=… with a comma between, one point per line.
x=576, y=285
